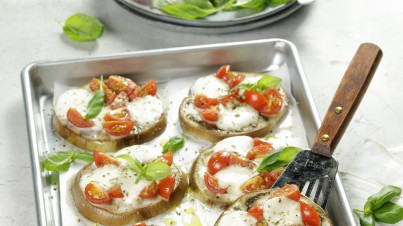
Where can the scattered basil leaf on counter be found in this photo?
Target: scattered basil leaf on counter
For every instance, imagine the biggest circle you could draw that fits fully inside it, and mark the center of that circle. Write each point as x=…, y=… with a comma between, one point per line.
x=278, y=158
x=262, y=84
x=174, y=143
x=60, y=161
x=82, y=27
x=96, y=104
x=379, y=208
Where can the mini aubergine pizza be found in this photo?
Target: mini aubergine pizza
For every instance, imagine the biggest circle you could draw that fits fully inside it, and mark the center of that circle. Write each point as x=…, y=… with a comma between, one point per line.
x=230, y=169
x=107, y=115
x=231, y=103
x=133, y=185
x=278, y=206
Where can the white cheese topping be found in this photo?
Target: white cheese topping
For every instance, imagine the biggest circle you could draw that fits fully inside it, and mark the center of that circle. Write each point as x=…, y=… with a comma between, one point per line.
x=211, y=86
x=240, y=144
x=282, y=211
x=145, y=111
x=237, y=218
x=232, y=177
x=237, y=119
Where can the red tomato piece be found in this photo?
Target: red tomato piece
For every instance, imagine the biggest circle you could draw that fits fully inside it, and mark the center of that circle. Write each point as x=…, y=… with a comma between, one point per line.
x=166, y=186
x=118, y=84
x=120, y=101
x=290, y=191
x=230, y=98
x=274, y=102
x=224, y=73
x=118, y=128
x=150, y=88
x=235, y=159
x=236, y=80
x=117, y=115
x=109, y=96
x=211, y=114
x=140, y=224
x=212, y=185
x=218, y=161
x=95, y=194
x=150, y=191
x=203, y=102
x=271, y=177
x=166, y=158
x=256, y=211
x=253, y=184
x=260, y=149
x=75, y=118
x=116, y=192
x=95, y=84
x=255, y=99
x=102, y=159
x=310, y=216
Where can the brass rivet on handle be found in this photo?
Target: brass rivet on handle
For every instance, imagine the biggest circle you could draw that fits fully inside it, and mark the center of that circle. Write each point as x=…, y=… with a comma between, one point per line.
x=325, y=137
x=338, y=109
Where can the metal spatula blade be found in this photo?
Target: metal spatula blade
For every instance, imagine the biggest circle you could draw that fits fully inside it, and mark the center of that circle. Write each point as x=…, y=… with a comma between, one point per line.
x=314, y=171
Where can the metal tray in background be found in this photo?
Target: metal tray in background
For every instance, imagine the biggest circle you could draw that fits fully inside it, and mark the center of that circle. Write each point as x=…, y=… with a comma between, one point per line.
x=162, y=65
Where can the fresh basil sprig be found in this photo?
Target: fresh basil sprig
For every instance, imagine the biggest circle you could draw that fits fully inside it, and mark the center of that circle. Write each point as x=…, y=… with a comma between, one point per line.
x=379, y=208
x=96, y=103
x=82, y=27
x=262, y=84
x=278, y=158
x=174, y=143
x=153, y=171
x=60, y=161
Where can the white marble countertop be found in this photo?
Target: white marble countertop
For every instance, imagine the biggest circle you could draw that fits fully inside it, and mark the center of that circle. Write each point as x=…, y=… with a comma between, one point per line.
x=326, y=33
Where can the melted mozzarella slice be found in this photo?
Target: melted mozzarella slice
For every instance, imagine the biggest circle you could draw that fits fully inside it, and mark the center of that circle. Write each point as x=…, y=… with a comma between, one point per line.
x=210, y=86
x=142, y=153
x=282, y=211
x=240, y=144
x=233, y=177
x=237, y=218
x=145, y=111
x=237, y=119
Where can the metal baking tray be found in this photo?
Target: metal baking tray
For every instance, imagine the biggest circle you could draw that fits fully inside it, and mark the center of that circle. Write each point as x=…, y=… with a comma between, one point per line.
x=163, y=65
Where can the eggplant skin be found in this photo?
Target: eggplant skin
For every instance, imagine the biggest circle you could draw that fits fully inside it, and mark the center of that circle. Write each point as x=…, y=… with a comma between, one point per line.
x=106, y=216
x=104, y=143
x=213, y=134
x=248, y=200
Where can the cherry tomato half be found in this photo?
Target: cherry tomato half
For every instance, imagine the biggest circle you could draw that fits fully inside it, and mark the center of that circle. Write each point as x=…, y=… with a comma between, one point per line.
x=253, y=184
x=211, y=114
x=95, y=194
x=140, y=224
x=118, y=84
x=150, y=191
x=75, y=118
x=102, y=159
x=212, y=185
x=166, y=186
x=150, y=88
x=118, y=128
x=310, y=216
x=109, y=96
x=95, y=84
x=260, y=149
x=224, y=73
x=290, y=191
x=218, y=161
x=255, y=99
x=116, y=192
x=117, y=115
x=270, y=177
x=236, y=80
x=203, y=102
x=274, y=102
x=230, y=98
x=169, y=158
x=256, y=211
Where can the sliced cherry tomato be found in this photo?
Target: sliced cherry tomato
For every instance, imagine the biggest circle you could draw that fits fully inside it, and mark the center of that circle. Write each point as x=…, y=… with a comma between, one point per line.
x=166, y=186
x=120, y=101
x=94, y=84
x=271, y=177
x=109, y=96
x=218, y=161
x=256, y=211
x=310, y=216
x=290, y=191
x=235, y=159
x=121, y=114
x=203, y=102
x=150, y=88
x=236, y=80
x=118, y=84
x=230, y=98
x=166, y=158
x=253, y=184
x=116, y=192
x=260, y=149
x=118, y=128
x=224, y=73
x=95, y=194
x=75, y=118
x=150, y=191
x=211, y=114
x=102, y=159
x=274, y=102
x=212, y=184
x=140, y=224
x=255, y=99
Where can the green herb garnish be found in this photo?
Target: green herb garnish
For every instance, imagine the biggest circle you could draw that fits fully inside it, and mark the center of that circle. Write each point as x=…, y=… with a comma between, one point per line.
x=174, y=143
x=262, y=84
x=379, y=208
x=278, y=158
x=60, y=161
x=82, y=27
x=96, y=103
x=153, y=171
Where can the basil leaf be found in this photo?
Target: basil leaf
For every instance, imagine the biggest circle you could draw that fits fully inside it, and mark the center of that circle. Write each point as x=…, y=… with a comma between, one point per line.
x=204, y=4
x=278, y=2
x=257, y=5
x=187, y=11
x=82, y=27
x=365, y=219
x=58, y=161
x=95, y=105
x=85, y=156
x=156, y=171
x=174, y=143
x=377, y=200
x=266, y=82
x=389, y=213
x=278, y=158
x=134, y=163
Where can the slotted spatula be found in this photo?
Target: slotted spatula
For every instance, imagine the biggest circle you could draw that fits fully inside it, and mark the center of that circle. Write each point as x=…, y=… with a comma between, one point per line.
x=314, y=171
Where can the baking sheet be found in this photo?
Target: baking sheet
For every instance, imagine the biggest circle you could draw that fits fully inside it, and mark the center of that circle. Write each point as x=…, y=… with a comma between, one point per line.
x=167, y=67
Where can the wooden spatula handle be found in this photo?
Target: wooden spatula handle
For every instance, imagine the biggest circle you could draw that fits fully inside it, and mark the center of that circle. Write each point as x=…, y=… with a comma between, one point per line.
x=347, y=98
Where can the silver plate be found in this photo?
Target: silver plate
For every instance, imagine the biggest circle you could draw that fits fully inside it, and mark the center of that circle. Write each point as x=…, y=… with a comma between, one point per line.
x=38, y=80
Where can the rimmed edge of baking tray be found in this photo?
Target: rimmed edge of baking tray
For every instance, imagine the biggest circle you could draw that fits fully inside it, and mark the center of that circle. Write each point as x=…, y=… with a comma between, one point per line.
x=338, y=195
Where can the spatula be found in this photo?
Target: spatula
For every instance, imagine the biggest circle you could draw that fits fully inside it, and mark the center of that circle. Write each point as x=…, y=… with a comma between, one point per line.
x=314, y=171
